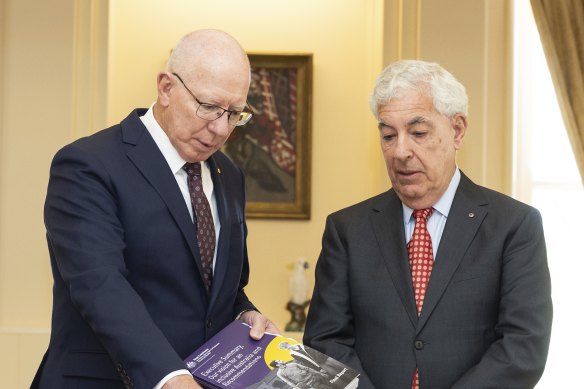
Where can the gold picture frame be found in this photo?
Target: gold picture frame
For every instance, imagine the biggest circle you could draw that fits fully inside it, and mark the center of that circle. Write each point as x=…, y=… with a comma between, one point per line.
x=273, y=149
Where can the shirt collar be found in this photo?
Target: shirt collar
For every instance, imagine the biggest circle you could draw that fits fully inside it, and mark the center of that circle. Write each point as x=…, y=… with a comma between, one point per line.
x=172, y=156
x=443, y=204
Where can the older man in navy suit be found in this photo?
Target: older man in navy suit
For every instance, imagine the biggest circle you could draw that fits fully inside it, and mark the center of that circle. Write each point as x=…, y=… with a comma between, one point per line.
x=141, y=277
x=438, y=283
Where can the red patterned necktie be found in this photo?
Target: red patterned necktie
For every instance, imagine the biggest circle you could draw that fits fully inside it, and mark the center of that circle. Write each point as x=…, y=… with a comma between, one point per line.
x=203, y=220
x=421, y=261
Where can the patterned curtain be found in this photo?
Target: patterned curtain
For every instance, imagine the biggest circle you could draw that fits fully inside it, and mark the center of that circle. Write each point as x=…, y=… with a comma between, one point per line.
x=561, y=28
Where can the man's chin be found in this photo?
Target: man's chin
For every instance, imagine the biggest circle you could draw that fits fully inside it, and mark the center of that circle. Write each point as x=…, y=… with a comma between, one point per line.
x=409, y=193
x=408, y=188
x=197, y=155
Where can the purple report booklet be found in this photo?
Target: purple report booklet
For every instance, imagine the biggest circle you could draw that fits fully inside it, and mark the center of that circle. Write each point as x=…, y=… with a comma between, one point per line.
x=231, y=359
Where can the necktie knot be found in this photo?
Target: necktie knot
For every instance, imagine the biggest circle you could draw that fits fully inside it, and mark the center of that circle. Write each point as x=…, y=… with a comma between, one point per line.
x=192, y=168
x=423, y=213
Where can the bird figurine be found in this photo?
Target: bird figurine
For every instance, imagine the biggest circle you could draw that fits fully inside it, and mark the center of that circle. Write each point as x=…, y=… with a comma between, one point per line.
x=298, y=289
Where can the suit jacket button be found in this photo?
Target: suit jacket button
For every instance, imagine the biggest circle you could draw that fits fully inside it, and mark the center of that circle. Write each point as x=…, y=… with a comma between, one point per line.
x=419, y=344
x=209, y=323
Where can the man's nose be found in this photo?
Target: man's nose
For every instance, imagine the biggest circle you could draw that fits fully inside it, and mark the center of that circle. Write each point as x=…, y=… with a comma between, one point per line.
x=221, y=125
x=403, y=149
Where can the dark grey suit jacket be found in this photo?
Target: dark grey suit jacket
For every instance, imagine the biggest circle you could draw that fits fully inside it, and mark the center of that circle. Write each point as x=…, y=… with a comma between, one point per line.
x=128, y=299
x=487, y=315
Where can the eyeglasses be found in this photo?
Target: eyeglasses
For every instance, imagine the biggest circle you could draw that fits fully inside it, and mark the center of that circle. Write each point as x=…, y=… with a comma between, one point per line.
x=213, y=112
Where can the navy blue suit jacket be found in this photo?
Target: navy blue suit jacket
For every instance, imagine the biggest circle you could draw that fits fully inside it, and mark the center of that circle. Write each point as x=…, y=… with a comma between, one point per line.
x=128, y=298
x=487, y=314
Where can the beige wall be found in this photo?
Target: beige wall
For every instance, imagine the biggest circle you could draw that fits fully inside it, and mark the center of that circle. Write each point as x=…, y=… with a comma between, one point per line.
x=99, y=62
x=472, y=40
x=36, y=91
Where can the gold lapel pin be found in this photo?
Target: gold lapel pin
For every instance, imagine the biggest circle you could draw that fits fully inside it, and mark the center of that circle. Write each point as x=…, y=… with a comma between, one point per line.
x=218, y=170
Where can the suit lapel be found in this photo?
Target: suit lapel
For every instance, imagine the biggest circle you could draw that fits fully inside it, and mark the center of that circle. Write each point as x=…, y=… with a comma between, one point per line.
x=223, y=241
x=387, y=223
x=465, y=217
x=148, y=159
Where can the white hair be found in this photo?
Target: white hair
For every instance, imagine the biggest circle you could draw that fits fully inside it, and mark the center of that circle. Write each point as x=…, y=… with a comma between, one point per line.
x=449, y=95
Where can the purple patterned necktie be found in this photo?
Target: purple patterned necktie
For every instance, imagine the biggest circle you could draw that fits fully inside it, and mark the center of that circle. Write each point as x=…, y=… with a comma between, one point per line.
x=203, y=219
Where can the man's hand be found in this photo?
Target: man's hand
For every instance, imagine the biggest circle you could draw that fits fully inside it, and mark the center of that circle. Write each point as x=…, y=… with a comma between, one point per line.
x=182, y=382
x=259, y=324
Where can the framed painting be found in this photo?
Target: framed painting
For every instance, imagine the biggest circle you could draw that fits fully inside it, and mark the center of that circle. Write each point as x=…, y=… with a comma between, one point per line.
x=273, y=149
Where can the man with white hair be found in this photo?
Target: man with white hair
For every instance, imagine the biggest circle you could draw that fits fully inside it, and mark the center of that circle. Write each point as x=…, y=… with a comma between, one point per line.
x=147, y=233
x=437, y=283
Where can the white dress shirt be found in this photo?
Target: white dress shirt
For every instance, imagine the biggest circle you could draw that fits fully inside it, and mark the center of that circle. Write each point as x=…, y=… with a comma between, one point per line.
x=175, y=163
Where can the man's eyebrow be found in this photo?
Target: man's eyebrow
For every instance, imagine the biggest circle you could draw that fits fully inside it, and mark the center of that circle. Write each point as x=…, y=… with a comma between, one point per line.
x=381, y=125
x=417, y=120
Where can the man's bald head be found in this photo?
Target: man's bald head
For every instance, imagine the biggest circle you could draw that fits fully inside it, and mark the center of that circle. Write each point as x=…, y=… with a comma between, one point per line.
x=205, y=54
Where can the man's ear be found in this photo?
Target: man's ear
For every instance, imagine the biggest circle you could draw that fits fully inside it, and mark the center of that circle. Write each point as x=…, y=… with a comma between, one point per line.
x=164, y=84
x=459, y=125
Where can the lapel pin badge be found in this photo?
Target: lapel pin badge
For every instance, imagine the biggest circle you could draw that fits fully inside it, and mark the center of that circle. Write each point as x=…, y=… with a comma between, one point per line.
x=218, y=171
x=471, y=214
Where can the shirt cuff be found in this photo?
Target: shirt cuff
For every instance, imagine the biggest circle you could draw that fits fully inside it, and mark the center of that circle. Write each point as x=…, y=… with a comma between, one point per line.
x=169, y=376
